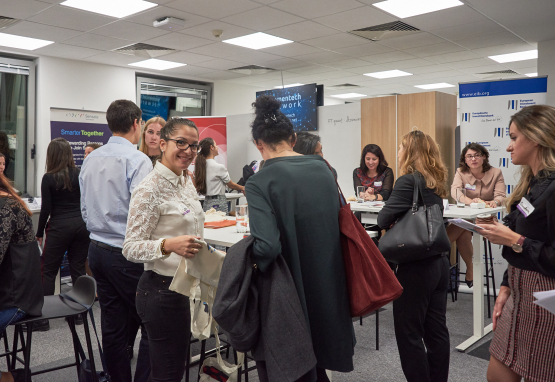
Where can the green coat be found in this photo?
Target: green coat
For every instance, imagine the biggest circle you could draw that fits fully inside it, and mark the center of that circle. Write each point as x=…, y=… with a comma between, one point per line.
x=293, y=210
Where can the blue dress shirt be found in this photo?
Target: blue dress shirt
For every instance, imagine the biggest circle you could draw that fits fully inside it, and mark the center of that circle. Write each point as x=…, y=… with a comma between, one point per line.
x=108, y=177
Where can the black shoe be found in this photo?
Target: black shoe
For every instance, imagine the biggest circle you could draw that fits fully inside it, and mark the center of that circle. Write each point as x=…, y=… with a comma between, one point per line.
x=39, y=326
x=470, y=283
x=19, y=375
x=130, y=352
x=78, y=320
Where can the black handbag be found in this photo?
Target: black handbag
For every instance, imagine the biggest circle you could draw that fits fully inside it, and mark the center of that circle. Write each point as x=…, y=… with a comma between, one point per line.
x=418, y=234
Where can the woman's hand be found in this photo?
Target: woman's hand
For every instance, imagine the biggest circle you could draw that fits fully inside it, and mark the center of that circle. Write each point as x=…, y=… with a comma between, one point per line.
x=476, y=200
x=369, y=197
x=498, y=233
x=504, y=293
x=39, y=239
x=370, y=190
x=491, y=204
x=183, y=245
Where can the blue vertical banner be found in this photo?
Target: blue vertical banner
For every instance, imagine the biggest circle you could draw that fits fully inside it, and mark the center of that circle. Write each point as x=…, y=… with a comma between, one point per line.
x=154, y=105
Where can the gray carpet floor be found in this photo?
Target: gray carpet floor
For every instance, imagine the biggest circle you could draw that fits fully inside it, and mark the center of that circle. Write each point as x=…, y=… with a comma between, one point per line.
x=54, y=348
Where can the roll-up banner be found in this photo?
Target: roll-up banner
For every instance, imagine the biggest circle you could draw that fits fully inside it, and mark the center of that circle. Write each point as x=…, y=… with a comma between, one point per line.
x=486, y=109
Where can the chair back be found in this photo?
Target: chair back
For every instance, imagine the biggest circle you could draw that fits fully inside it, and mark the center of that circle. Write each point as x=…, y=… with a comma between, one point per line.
x=84, y=290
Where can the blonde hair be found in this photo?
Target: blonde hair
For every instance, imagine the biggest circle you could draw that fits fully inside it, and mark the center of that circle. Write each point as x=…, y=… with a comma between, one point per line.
x=159, y=120
x=537, y=123
x=421, y=154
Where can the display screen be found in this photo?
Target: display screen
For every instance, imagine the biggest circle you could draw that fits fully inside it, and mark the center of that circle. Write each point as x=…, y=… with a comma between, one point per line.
x=298, y=104
x=154, y=106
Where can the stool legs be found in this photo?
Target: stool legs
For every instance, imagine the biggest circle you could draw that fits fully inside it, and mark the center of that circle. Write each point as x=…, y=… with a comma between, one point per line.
x=492, y=272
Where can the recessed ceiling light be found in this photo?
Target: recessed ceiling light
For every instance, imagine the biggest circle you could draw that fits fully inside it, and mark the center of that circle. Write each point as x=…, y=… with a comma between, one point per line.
x=114, y=8
x=388, y=74
x=519, y=56
x=349, y=95
x=531, y=74
x=435, y=86
x=287, y=86
x=153, y=63
x=258, y=41
x=19, y=42
x=408, y=8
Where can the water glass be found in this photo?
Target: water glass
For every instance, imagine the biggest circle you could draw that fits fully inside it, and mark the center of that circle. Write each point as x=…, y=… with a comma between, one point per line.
x=360, y=193
x=242, y=218
x=460, y=193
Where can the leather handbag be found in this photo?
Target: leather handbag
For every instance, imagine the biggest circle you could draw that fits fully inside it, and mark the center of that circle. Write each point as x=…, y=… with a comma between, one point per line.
x=420, y=233
x=371, y=282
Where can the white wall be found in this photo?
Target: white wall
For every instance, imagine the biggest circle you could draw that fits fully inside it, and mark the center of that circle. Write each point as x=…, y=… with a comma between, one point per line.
x=229, y=98
x=546, y=67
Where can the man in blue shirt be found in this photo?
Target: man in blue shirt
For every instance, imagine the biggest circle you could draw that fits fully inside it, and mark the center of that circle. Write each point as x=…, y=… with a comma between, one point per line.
x=108, y=177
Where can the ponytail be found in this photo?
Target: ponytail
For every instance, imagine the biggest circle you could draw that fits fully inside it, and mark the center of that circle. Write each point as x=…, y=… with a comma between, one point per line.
x=200, y=165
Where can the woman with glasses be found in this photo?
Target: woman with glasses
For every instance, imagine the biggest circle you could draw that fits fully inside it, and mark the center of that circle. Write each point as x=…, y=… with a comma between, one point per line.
x=211, y=177
x=165, y=218
x=482, y=182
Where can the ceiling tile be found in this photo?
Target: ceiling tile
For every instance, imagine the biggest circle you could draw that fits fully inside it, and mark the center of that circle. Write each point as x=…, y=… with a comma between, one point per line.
x=484, y=69
x=220, y=50
x=263, y=19
x=336, y=41
x=311, y=9
x=21, y=9
x=502, y=49
x=368, y=68
x=130, y=31
x=192, y=70
x=178, y=41
x=517, y=65
x=221, y=75
x=291, y=50
x=314, y=69
x=255, y=57
x=429, y=50
x=112, y=58
x=367, y=49
x=412, y=41
x=347, y=64
x=304, y=30
x=445, y=18
x=205, y=31
x=286, y=63
x=89, y=40
x=459, y=32
x=429, y=69
x=411, y=64
x=148, y=17
x=67, y=51
x=457, y=65
x=65, y=17
x=322, y=57
x=388, y=57
x=220, y=64
x=434, y=75
x=356, y=19
x=214, y=9
x=186, y=57
x=45, y=32
x=495, y=39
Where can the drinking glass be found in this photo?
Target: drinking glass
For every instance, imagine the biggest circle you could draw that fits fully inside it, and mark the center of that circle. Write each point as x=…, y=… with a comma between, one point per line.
x=360, y=191
x=461, y=197
x=242, y=218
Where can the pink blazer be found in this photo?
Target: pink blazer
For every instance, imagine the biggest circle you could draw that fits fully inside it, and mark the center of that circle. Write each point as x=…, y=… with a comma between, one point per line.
x=490, y=187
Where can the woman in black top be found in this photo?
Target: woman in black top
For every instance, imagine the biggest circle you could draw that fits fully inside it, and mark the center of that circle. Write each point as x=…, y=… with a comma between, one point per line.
x=66, y=231
x=523, y=344
x=419, y=314
x=373, y=174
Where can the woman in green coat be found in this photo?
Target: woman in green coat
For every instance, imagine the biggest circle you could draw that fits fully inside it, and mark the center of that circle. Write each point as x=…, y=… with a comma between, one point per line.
x=294, y=211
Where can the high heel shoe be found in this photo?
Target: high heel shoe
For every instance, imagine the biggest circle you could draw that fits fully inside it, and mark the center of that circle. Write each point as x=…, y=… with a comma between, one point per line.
x=470, y=283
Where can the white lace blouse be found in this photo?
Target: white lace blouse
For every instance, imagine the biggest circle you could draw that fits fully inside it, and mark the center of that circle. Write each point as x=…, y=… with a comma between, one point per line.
x=162, y=206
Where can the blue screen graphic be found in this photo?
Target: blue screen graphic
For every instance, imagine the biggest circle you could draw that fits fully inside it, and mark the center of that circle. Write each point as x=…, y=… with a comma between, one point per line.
x=154, y=105
x=298, y=104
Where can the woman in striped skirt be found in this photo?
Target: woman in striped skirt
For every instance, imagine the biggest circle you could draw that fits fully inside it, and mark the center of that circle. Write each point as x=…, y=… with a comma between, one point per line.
x=523, y=344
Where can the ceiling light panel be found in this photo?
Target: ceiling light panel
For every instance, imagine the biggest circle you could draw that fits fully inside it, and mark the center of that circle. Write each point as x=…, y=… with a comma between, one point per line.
x=440, y=85
x=287, y=86
x=258, y=41
x=19, y=42
x=531, y=74
x=113, y=8
x=349, y=95
x=409, y=8
x=512, y=57
x=155, y=64
x=388, y=74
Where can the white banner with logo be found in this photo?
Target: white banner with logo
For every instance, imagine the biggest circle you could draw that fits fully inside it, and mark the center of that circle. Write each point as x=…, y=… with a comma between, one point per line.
x=486, y=109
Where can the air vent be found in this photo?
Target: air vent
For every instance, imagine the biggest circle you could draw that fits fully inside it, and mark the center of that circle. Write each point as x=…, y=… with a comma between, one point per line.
x=343, y=86
x=498, y=74
x=385, y=31
x=144, y=50
x=252, y=70
x=7, y=21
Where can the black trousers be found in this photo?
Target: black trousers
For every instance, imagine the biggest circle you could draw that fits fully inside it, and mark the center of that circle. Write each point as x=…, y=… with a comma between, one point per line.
x=64, y=235
x=419, y=319
x=166, y=315
x=116, y=280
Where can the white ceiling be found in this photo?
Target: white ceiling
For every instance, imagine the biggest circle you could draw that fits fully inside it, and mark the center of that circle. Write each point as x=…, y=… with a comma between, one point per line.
x=452, y=47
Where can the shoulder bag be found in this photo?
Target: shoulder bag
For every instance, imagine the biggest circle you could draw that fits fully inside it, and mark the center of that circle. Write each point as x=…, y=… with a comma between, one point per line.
x=420, y=233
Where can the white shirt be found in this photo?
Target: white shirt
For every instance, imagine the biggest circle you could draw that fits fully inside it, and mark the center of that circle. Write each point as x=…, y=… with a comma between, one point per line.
x=216, y=178
x=162, y=206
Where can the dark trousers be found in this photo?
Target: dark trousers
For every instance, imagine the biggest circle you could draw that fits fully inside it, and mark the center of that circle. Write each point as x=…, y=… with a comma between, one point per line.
x=166, y=315
x=419, y=319
x=315, y=375
x=117, y=280
x=64, y=235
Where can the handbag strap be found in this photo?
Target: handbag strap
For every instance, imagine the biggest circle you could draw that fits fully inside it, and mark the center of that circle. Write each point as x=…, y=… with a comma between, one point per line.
x=416, y=191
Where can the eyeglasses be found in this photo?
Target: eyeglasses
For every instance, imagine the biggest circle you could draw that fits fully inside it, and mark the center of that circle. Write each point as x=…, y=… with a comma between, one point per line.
x=475, y=156
x=184, y=145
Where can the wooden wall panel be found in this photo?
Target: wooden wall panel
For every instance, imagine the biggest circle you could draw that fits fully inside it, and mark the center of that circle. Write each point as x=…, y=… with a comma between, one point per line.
x=446, y=122
x=378, y=121
x=416, y=110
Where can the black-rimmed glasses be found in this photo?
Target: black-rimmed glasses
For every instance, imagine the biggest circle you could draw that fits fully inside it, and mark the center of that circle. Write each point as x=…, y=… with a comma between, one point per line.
x=184, y=145
x=475, y=156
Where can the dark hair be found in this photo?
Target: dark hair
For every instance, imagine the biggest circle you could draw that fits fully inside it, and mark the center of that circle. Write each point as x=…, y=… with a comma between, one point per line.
x=6, y=187
x=306, y=143
x=3, y=156
x=93, y=146
x=173, y=124
x=4, y=144
x=270, y=125
x=479, y=149
x=200, y=164
x=59, y=159
x=121, y=116
x=377, y=151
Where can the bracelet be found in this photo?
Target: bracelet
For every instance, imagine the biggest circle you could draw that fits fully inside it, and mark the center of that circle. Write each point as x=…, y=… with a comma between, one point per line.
x=164, y=253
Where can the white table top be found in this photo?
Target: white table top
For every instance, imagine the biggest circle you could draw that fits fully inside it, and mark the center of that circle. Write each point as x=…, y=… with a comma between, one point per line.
x=228, y=196
x=452, y=212
x=226, y=236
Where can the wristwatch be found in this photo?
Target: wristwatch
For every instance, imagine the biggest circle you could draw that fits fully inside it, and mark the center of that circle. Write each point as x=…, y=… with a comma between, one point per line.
x=517, y=247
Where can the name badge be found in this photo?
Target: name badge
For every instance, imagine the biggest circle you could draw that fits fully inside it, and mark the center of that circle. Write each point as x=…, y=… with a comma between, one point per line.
x=525, y=207
x=377, y=184
x=470, y=187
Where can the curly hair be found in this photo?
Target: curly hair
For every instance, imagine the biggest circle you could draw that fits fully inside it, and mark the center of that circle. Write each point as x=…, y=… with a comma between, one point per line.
x=479, y=149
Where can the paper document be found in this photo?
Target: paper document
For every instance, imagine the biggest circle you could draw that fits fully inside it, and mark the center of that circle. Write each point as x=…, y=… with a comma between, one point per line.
x=373, y=204
x=466, y=225
x=546, y=300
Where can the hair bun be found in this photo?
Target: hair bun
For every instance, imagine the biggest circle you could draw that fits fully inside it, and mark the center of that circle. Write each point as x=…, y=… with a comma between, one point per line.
x=266, y=105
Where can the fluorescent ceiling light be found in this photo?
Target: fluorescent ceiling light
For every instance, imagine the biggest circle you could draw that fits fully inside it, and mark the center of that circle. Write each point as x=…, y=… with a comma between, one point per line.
x=519, y=56
x=114, y=8
x=349, y=95
x=531, y=74
x=258, y=41
x=287, y=86
x=388, y=74
x=408, y=8
x=435, y=86
x=19, y=42
x=153, y=63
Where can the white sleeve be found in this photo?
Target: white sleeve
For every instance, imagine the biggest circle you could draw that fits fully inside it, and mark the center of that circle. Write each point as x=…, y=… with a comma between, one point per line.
x=223, y=174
